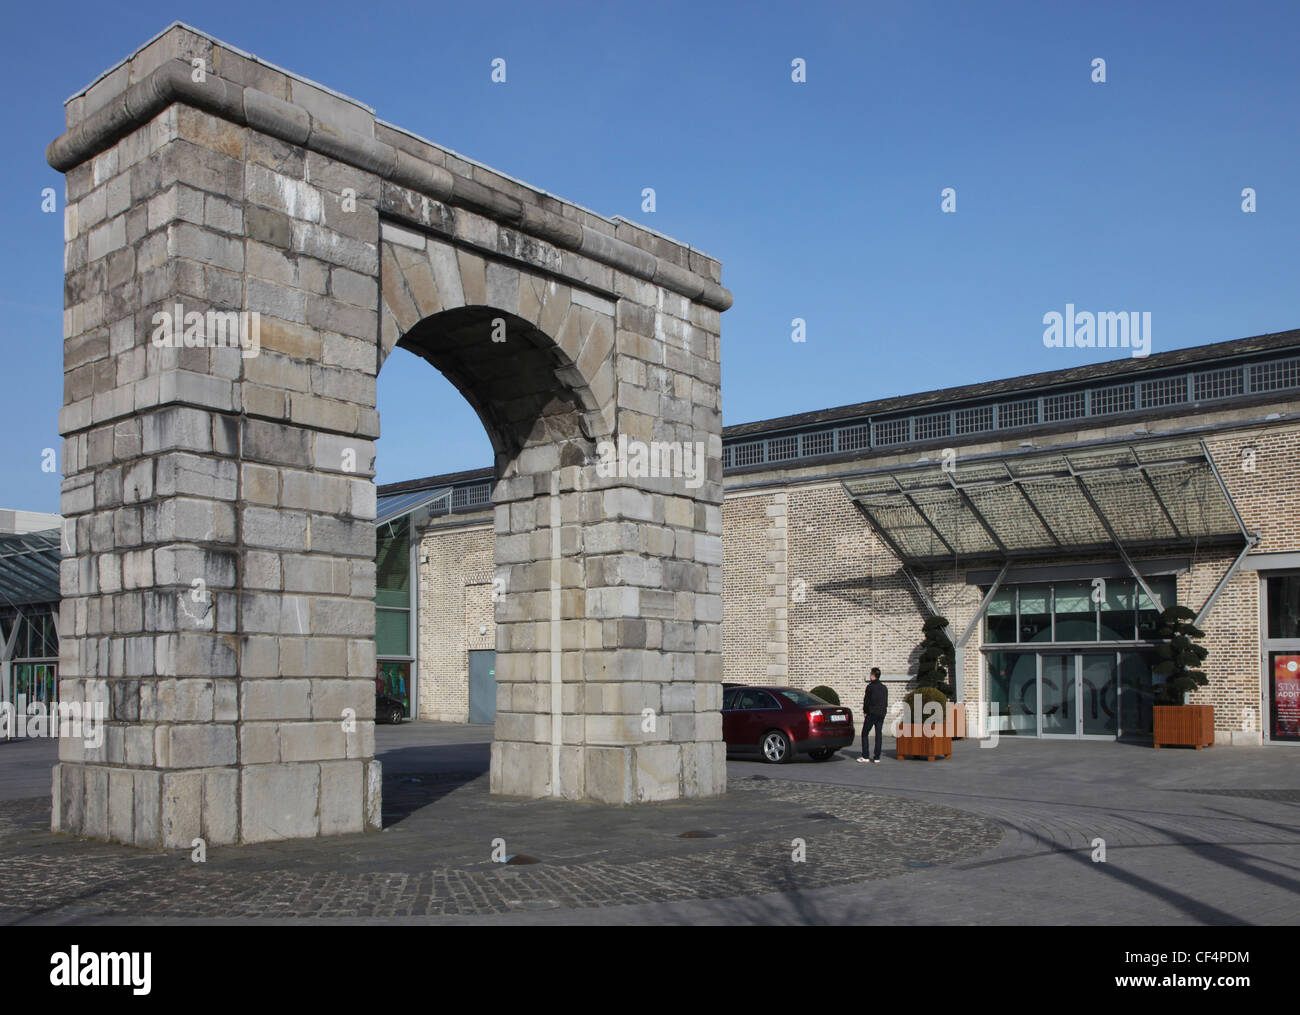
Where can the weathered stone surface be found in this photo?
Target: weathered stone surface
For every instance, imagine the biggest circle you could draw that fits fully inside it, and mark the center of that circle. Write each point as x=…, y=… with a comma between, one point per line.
x=342, y=791
x=182, y=808
x=279, y=802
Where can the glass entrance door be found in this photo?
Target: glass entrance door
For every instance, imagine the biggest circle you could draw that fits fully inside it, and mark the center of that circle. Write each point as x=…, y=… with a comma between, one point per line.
x=1137, y=696
x=1282, y=654
x=1058, y=693
x=1079, y=693
x=1099, y=696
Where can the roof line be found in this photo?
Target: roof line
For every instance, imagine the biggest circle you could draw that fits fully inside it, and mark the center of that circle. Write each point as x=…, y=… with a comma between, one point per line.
x=1083, y=373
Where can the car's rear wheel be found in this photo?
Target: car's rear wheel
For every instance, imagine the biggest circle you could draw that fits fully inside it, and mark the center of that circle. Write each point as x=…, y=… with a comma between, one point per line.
x=822, y=754
x=395, y=715
x=775, y=747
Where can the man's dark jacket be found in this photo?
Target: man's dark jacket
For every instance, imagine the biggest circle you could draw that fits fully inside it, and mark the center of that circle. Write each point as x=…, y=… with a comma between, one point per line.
x=876, y=701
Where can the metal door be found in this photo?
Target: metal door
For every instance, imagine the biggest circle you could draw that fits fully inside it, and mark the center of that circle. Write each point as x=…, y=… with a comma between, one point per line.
x=482, y=685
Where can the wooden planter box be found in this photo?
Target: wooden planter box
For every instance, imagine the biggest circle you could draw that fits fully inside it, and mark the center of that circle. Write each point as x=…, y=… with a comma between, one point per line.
x=913, y=743
x=1183, y=726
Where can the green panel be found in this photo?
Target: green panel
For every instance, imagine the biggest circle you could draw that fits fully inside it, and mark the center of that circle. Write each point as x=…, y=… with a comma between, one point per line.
x=1013, y=692
x=1035, y=613
x=1000, y=618
x=393, y=556
x=1117, y=612
x=1076, y=613
x=400, y=599
x=393, y=565
x=392, y=632
x=1167, y=590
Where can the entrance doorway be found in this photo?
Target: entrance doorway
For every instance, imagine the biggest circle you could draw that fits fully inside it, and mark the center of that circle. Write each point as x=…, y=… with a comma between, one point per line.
x=1075, y=694
x=1079, y=695
x=482, y=685
x=1282, y=654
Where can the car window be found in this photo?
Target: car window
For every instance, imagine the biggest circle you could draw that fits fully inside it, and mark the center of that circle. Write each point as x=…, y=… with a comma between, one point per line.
x=753, y=698
x=803, y=697
x=730, y=698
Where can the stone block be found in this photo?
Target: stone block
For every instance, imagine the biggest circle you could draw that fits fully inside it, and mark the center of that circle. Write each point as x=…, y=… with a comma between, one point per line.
x=316, y=741
x=275, y=699
x=121, y=801
x=374, y=795
x=148, y=808
x=272, y=228
x=69, y=815
x=96, y=803
x=221, y=806
x=608, y=775
x=520, y=769
x=573, y=773
x=279, y=802
x=201, y=746
x=181, y=813
x=342, y=797
x=658, y=772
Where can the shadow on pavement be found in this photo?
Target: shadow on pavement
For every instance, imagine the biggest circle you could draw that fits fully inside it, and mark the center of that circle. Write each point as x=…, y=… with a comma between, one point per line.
x=415, y=777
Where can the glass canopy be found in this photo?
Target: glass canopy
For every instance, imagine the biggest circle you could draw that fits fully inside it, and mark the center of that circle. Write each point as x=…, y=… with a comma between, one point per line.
x=1141, y=496
x=29, y=568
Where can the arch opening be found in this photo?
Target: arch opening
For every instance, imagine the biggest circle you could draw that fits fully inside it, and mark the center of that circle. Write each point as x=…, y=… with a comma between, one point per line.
x=524, y=388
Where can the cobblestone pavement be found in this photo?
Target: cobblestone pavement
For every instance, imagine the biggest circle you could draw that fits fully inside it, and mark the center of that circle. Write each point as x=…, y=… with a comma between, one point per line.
x=1208, y=838
x=992, y=836
x=434, y=858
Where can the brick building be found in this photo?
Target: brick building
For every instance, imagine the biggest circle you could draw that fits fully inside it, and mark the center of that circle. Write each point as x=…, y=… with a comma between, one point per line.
x=1046, y=516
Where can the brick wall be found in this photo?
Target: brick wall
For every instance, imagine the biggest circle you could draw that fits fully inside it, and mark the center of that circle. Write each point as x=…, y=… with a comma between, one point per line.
x=745, y=570
x=455, y=599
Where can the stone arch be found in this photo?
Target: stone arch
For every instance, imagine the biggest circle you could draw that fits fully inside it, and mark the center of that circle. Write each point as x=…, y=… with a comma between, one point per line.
x=522, y=393
x=218, y=579
x=444, y=304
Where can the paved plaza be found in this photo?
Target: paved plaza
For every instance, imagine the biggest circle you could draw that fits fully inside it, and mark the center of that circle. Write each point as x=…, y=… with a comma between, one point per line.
x=994, y=836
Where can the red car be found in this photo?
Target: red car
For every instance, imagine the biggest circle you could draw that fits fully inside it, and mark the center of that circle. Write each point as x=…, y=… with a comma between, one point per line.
x=780, y=722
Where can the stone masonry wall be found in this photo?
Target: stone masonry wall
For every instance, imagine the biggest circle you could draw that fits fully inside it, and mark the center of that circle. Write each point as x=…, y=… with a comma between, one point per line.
x=212, y=657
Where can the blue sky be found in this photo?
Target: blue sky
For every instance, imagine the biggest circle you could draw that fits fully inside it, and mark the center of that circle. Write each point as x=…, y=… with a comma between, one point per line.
x=821, y=199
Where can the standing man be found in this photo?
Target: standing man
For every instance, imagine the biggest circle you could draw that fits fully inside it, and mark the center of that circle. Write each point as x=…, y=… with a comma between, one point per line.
x=875, y=703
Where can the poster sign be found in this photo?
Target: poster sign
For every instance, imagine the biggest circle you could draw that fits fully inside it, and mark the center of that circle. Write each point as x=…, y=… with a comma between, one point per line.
x=1286, y=696
x=394, y=678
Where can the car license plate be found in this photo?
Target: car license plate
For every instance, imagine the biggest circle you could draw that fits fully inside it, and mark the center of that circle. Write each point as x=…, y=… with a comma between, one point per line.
x=839, y=718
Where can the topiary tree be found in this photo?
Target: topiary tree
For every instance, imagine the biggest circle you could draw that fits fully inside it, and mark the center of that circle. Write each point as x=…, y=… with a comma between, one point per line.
x=826, y=694
x=914, y=703
x=1179, y=654
x=938, y=657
